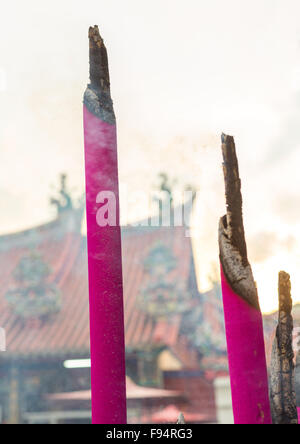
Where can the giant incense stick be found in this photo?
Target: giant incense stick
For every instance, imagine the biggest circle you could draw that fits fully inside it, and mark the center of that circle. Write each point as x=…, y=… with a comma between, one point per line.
x=297, y=377
x=104, y=243
x=282, y=390
x=243, y=318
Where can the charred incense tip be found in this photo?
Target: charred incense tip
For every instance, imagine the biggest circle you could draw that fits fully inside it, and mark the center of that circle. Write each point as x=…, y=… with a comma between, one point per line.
x=232, y=244
x=234, y=216
x=282, y=387
x=99, y=72
x=97, y=97
x=284, y=293
x=95, y=38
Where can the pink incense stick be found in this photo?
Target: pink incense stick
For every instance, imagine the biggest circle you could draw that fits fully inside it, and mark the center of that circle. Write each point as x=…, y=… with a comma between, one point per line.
x=297, y=376
x=104, y=243
x=243, y=318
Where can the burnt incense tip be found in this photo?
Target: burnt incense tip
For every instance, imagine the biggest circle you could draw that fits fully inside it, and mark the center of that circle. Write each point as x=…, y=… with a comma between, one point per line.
x=284, y=277
x=232, y=243
x=226, y=138
x=229, y=151
x=99, y=72
x=97, y=96
x=234, y=203
x=284, y=292
x=282, y=381
x=95, y=38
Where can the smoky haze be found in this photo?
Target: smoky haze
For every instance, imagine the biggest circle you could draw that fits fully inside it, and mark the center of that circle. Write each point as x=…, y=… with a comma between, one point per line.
x=181, y=73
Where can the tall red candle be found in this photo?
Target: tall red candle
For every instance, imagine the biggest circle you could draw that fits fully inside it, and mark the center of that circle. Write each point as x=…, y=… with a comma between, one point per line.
x=104, y=243
x=243, y=318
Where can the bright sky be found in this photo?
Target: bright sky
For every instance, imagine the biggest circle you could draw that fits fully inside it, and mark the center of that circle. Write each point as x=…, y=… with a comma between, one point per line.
x=182, y=72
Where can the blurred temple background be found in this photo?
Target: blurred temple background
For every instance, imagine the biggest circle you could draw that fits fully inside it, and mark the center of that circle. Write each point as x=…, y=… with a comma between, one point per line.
x=175, y=342
x=172, y=103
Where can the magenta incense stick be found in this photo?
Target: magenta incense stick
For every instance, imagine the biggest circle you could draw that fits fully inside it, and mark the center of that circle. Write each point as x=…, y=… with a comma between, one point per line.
x=243, y=318
x=282, y=384
x=104, y=243
x=297, y=375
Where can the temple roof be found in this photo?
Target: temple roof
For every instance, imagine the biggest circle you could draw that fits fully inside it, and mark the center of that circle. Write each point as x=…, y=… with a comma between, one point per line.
x=62, y=249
